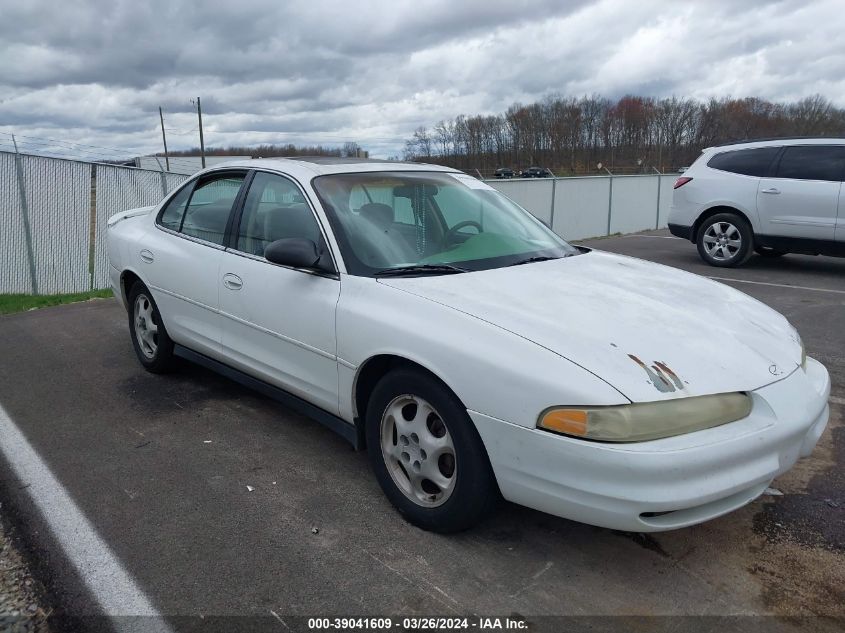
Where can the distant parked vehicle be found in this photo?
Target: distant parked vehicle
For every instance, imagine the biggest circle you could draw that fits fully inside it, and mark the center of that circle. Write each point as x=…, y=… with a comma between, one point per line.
x=535, y=172
x=770, y=197
x=504, y=172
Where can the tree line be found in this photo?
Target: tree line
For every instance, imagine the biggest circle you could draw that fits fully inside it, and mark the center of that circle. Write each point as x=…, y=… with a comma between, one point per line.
x=633, y=134
x=350, y=149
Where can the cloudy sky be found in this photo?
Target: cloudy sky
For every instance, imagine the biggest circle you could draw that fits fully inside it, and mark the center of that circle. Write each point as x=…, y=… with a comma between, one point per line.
x=320, y=71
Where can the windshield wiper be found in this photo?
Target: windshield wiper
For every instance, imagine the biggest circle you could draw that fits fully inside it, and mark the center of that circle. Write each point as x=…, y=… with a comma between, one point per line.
x=421, y=269
x=531, y=260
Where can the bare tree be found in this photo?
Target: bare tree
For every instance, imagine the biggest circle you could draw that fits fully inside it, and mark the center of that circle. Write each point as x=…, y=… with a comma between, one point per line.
x=630, y=134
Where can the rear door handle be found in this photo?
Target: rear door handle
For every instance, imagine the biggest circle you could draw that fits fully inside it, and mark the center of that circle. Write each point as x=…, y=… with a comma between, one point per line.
x=232, y=282
x=770, y=190
x=147, y=256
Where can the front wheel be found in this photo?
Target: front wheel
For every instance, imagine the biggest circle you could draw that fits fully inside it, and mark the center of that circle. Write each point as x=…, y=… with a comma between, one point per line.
x=153, y=346
x=426, y=453
x=725, y=240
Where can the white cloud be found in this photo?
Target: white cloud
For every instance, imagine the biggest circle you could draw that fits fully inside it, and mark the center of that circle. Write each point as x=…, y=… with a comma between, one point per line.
x=326, y=72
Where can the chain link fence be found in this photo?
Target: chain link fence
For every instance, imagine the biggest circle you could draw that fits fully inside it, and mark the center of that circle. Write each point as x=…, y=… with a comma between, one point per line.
x=53, y=215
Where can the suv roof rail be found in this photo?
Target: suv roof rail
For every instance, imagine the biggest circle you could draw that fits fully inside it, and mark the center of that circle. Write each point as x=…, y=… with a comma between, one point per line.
x=779, y=138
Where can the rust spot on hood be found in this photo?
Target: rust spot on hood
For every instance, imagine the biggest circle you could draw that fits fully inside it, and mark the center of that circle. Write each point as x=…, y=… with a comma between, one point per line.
x=672, y=375
x=660, y=375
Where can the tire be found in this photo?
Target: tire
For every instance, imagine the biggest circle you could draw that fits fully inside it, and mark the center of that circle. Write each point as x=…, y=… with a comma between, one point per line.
x=725, y=240
x=153, y=346
x=403, y=438
x=765, y=251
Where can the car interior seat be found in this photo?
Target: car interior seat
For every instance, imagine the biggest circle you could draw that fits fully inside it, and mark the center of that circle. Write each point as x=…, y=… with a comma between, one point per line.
x=286, y=222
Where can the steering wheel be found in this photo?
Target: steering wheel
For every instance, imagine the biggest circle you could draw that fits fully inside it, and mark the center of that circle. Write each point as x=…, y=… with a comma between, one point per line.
x=451, y=233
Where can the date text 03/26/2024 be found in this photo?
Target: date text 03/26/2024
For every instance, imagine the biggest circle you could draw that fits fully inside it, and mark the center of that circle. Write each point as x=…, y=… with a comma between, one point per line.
x=417, y=624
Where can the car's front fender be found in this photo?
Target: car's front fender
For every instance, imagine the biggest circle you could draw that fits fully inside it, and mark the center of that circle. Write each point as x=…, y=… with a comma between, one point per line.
x=490, y=369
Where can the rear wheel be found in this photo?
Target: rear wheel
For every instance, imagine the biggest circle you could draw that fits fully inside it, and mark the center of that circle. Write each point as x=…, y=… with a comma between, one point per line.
x=153, y=346
x=725, y=240
x=426, y=453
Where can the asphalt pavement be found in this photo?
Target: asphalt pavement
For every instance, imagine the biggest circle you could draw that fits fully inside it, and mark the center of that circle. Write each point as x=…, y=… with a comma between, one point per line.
x=214, y=501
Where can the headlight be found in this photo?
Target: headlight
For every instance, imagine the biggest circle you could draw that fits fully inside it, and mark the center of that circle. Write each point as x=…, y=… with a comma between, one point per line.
x=648, y=420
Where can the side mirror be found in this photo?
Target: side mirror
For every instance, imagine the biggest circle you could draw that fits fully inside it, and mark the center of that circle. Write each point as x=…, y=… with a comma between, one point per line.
x=296, y=252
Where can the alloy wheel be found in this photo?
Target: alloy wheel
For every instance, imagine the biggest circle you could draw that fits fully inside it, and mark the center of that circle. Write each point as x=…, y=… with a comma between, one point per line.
x=722, y=240
x=146, y=329
x=418, y=451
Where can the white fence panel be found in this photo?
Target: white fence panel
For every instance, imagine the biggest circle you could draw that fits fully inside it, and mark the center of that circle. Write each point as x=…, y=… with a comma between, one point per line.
x=534, y=195
x=57, y=202
x=119, y=189
x=634, y=206
x=14, y=268
x=581, y=207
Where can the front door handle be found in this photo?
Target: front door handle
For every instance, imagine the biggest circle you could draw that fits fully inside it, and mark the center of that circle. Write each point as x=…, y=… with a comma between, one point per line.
x=770, y=190
x=147, y=256
x=232, y=282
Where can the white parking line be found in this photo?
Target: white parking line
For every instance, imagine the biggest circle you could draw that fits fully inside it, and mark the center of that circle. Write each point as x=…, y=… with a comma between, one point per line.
x=766, y=283
x=659, y=237
x=111, y=585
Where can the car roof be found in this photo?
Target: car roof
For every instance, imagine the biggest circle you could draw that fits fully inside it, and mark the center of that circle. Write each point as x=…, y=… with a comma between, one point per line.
x=778, y=142
x=302, y=166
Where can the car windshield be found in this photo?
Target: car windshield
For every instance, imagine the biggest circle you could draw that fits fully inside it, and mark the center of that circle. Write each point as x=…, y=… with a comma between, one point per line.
x=422, y=221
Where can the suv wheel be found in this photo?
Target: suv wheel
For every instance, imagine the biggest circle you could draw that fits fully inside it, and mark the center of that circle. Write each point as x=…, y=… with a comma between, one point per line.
x=426, y=453
x=725, y=240
x=153, y=346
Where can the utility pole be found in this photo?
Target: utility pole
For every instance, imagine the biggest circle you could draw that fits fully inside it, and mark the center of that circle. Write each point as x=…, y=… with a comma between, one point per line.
x=202, y=142
x=164, y=138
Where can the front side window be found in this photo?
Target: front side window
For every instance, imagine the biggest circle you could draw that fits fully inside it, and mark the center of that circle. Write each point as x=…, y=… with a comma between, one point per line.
x=274, y=209
x=748, y=162
x=813, y=162
x=389, y=220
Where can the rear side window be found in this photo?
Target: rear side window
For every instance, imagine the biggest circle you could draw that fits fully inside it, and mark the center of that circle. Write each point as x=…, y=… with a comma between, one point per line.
x=171, y=217
x=202, y=210
x=812, y=162
x=748, y=162
x=209, y=208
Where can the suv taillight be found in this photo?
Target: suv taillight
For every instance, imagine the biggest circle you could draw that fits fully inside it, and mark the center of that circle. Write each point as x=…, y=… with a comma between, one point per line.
x=680, y=182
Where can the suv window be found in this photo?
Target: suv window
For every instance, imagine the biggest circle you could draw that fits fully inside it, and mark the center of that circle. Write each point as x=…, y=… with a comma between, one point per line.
x=748, y=162
x=812, y=162
x=274, y=209
x=209, y=207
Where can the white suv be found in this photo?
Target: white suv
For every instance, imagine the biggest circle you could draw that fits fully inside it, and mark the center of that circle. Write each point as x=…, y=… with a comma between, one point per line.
x=771, y=197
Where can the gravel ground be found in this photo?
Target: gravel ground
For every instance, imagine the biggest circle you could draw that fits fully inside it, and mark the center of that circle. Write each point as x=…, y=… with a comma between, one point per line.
x=22, y=608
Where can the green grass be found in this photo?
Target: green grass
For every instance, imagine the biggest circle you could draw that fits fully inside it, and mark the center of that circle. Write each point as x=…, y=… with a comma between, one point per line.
x=22, y=303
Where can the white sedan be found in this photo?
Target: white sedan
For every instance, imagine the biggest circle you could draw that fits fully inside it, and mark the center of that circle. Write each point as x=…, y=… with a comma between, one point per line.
x=473, y=352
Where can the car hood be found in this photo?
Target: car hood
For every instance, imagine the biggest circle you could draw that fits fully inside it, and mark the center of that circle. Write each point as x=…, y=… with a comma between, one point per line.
x=651, y=331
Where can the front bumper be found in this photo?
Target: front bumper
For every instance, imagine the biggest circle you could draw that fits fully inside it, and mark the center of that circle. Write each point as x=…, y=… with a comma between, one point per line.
x=668, y=483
